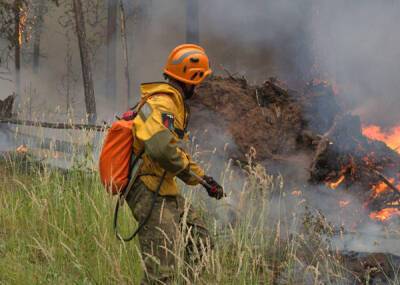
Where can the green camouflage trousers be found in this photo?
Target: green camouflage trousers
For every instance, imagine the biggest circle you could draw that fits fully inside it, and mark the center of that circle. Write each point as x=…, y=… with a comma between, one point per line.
x=161, y=237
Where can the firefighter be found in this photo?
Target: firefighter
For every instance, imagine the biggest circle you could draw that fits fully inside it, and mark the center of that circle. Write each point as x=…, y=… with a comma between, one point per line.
x=161, y=129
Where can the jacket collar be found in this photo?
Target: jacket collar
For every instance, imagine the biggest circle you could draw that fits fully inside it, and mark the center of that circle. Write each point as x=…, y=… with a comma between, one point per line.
x=152, y=88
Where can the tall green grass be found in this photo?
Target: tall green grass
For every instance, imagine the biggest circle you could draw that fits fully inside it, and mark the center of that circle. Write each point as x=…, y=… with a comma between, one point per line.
x=56, y=228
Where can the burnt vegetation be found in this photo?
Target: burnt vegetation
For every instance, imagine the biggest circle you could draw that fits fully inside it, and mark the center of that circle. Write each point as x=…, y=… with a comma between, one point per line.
x=296, y=129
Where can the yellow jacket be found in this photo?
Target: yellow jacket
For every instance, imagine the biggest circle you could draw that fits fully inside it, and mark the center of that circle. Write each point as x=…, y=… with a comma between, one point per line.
x=160, y=128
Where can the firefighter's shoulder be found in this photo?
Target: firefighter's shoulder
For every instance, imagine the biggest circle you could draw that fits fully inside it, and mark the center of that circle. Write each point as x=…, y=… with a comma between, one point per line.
x=163, y=102
x=158, y=104
x=154, y=116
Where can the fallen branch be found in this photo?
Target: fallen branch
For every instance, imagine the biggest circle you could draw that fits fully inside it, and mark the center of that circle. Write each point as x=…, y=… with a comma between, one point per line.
x=5, y=79
x=230, y=75
x=62, y=126
x=386, y=181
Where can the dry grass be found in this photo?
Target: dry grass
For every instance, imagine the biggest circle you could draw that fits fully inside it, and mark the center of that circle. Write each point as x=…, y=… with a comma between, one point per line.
x=55, y=228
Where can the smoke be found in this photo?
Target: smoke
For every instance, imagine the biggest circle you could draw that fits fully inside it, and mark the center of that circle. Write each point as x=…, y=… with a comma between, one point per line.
x=354, y=44
x=369, y=238
x=6, y=143
x=357, y=44
x=259, y=38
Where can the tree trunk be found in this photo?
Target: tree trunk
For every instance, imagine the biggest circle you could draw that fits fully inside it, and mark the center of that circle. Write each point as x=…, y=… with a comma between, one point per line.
x=90, y=101
x=126, y=52
x=192, y=21
x=111, y=69
x=17, y=46
x=39, y=12
x=68, y=78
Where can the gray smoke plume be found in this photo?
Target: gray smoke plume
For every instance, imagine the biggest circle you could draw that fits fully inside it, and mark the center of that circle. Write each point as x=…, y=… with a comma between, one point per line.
x=357, y=44
x=353, y=43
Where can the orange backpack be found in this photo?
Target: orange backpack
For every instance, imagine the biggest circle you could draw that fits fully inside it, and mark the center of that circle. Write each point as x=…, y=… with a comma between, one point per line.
x=116, y=155
x=118, y=163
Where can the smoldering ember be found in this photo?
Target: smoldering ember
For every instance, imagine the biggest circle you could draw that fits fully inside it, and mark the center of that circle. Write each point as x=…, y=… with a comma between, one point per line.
x=272, y=160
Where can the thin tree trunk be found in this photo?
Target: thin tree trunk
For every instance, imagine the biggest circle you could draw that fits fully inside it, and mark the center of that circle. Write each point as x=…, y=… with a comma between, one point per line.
x=192, y=21
x=17, y=48
x=111, y=70
x=126, y=52
x=68, y=77
x=39, y=12
x=90, y=101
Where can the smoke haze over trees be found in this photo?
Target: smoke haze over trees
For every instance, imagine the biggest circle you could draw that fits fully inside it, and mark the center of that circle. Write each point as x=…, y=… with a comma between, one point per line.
x=355, y=44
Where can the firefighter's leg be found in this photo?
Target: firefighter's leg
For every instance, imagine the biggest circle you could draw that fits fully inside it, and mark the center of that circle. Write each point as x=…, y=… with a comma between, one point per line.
x=200, y=241
x=157, y=236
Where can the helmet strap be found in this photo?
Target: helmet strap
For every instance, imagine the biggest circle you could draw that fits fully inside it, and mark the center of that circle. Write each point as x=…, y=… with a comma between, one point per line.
x=187, y=90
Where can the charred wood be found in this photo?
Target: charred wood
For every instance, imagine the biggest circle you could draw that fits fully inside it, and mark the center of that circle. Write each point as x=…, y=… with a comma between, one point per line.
x=6, y=107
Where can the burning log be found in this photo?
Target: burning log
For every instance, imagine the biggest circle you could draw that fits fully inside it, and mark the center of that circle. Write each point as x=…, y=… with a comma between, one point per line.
x=322, y=156
x=387, y=182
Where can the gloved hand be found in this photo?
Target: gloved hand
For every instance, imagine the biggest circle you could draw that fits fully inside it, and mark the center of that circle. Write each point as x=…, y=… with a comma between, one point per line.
x=215, y=190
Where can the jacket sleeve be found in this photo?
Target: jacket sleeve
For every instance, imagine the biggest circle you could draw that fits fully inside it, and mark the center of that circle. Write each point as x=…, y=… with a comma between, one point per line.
x=187, y=177
x=159, y=142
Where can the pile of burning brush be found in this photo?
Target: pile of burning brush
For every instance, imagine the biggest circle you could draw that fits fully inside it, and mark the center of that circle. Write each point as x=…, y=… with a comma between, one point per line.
x=346, y=160
x=289, y=128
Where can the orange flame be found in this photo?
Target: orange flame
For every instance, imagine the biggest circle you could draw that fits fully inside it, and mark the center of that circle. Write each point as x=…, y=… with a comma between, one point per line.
x=385, y=214
x=391, y=138
x=296, y=193
x=22, y=149
x=23, y=16
x=344, y=203
x=380, y=188
x=334, y=185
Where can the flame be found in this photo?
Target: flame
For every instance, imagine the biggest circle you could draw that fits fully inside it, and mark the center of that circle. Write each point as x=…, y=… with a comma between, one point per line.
x=380, y=188
x=344, y=203
x=296, y=193
x=23, y=16
x=391, y=138
x=385, y=214
x=334, y=185
x=22, y=149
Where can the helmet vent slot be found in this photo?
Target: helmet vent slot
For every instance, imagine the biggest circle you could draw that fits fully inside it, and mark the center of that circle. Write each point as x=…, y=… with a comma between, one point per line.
x=194, y=59
x=194, y=76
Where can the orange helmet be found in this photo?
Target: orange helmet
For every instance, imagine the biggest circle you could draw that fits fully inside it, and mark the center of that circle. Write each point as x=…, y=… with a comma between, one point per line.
x=188, y=63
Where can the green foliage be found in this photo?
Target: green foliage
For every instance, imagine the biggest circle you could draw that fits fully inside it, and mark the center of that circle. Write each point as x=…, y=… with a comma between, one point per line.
x=55, y=228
